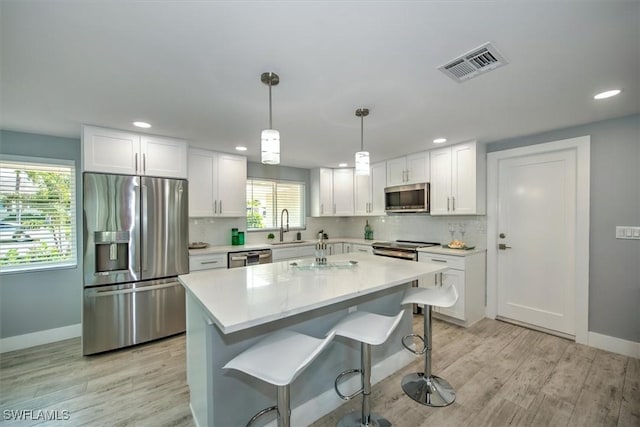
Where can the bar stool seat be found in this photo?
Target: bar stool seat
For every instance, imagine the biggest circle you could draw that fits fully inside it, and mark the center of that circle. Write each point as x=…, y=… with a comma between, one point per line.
x=278, y=359
x=423, y=387
x=369, y=329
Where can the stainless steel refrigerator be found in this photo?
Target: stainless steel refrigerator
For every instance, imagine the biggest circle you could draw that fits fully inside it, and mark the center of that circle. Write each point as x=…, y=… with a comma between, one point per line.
x=135, y=244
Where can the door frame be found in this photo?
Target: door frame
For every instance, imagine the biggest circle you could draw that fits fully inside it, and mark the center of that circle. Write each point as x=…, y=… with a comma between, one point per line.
x=581, y=145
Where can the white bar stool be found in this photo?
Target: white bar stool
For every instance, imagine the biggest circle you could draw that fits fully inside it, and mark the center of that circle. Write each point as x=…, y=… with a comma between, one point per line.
x=423, y=387
x=278, y=359
x=370, y=329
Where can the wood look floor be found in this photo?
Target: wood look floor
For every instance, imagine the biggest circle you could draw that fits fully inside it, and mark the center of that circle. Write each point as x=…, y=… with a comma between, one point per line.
x=503, y=375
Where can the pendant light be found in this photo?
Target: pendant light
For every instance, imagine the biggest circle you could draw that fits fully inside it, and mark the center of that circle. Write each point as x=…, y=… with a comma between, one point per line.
x=362, y=157
x=270, y=145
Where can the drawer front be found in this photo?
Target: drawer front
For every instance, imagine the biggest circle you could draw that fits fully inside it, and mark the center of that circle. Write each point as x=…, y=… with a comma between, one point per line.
x=284, y=253
x=207, y=262
x=367, y=249
x=448, y=260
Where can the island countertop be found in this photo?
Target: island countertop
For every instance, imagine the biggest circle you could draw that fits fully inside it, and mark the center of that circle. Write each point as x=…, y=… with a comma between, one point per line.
x=241, y=298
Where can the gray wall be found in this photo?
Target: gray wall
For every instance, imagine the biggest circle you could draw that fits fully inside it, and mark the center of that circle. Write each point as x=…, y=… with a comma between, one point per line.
x=37, y=301
x=614, y=264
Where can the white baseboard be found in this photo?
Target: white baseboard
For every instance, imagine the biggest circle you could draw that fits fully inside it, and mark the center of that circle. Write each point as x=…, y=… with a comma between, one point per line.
x=33, y=339
x=316, y=408
x=614, y=345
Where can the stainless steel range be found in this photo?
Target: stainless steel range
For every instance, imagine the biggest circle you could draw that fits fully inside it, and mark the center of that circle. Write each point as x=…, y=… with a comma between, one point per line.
x=403, y=249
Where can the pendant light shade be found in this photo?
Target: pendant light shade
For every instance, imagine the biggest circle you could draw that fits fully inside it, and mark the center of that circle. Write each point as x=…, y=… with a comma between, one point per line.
x=270, y=147
x=362, y=157
x=270, y=138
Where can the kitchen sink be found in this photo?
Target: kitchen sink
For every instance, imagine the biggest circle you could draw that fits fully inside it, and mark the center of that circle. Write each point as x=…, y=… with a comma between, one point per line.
x=291, y=242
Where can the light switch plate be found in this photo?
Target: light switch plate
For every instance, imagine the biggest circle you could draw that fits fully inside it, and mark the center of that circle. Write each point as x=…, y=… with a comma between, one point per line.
x=627, y=232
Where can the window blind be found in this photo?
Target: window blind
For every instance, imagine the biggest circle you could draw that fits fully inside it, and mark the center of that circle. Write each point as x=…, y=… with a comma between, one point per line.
x=37, y=214
x=267, y=198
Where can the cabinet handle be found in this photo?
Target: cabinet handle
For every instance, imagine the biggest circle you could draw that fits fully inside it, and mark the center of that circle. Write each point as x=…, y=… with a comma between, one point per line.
x=136, y=161
x=407, y=175
x=220, y=206
x=448, y=199
x=435, y=279
x=208, y=262
x=440, y=279
x=453, y=203
x=438, y=260
x=144, y=162
x=362, y=250
x=215, y=206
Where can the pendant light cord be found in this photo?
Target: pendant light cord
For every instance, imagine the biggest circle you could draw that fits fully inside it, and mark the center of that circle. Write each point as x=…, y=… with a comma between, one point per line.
x=270, y=122
x=362, y=132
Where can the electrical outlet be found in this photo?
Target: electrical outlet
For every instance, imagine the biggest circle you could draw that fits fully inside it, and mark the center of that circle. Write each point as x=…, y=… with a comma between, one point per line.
x=627, y=232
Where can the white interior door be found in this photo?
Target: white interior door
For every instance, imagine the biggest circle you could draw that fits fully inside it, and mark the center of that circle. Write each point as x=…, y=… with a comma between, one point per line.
x=536, y=227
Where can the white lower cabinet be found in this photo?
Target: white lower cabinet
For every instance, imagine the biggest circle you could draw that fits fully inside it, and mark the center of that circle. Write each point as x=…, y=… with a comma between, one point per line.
x=296, y=252
x=354, y=247
x=335, y=248
x=207, y=261
x=467, y=274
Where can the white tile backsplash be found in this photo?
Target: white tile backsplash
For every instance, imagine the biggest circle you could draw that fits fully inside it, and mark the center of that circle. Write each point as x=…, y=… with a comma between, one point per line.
x=420, y=227
x=217, y=231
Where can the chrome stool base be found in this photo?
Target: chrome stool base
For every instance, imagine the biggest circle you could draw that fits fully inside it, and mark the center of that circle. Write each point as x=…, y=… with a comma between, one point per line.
x=354, y=419
x=428, y=391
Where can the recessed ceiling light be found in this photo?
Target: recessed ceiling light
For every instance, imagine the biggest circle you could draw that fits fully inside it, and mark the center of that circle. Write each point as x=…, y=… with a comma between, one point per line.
x=343, y=165
x=439, y=140
x=142, y=124
x=241, y=148
x=607, y=94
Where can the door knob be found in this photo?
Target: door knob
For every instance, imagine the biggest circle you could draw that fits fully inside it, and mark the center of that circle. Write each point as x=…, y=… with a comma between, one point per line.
x=502, y=235
x=502, y=246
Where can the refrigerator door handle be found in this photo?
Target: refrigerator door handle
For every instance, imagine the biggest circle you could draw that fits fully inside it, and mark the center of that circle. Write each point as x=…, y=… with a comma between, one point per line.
x=96, y=293
x=143, y=218
x=135, y=235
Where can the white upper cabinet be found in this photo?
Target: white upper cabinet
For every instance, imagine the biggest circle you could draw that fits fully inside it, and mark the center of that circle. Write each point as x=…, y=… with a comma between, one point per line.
x=458, y=180
x=411, y=169
x=332, y=192
x=321, y=192
x=369, y=191
x=163, y=156
x=343, y=192
x=115, y=151
x=217, y=184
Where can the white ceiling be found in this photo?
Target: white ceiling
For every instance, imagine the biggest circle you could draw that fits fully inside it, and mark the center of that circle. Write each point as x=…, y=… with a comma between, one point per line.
x=192, y=69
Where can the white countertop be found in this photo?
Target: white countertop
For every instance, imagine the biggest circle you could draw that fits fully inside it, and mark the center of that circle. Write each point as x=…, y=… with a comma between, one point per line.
x=455, y=252
x=241, y=298
x=267, y=245
x=255, y=246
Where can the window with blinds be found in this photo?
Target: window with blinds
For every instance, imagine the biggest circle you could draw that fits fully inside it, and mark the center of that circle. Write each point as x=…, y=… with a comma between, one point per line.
x=266, y=199
x=37, y=214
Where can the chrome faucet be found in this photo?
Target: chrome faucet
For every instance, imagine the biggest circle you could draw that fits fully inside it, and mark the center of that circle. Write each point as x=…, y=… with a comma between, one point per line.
x=282, y=230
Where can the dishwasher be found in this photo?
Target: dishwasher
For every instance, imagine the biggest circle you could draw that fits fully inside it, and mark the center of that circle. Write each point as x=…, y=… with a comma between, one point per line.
x=245, y=258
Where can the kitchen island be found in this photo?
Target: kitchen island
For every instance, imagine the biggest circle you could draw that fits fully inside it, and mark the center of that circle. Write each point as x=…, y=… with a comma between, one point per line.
x=229, y=310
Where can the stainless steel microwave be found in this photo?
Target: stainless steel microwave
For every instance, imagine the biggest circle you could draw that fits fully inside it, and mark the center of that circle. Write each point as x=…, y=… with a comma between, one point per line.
x=407, y=198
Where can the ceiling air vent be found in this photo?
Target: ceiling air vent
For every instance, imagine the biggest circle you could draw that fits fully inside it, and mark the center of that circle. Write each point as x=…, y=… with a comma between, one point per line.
x=473, y=63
